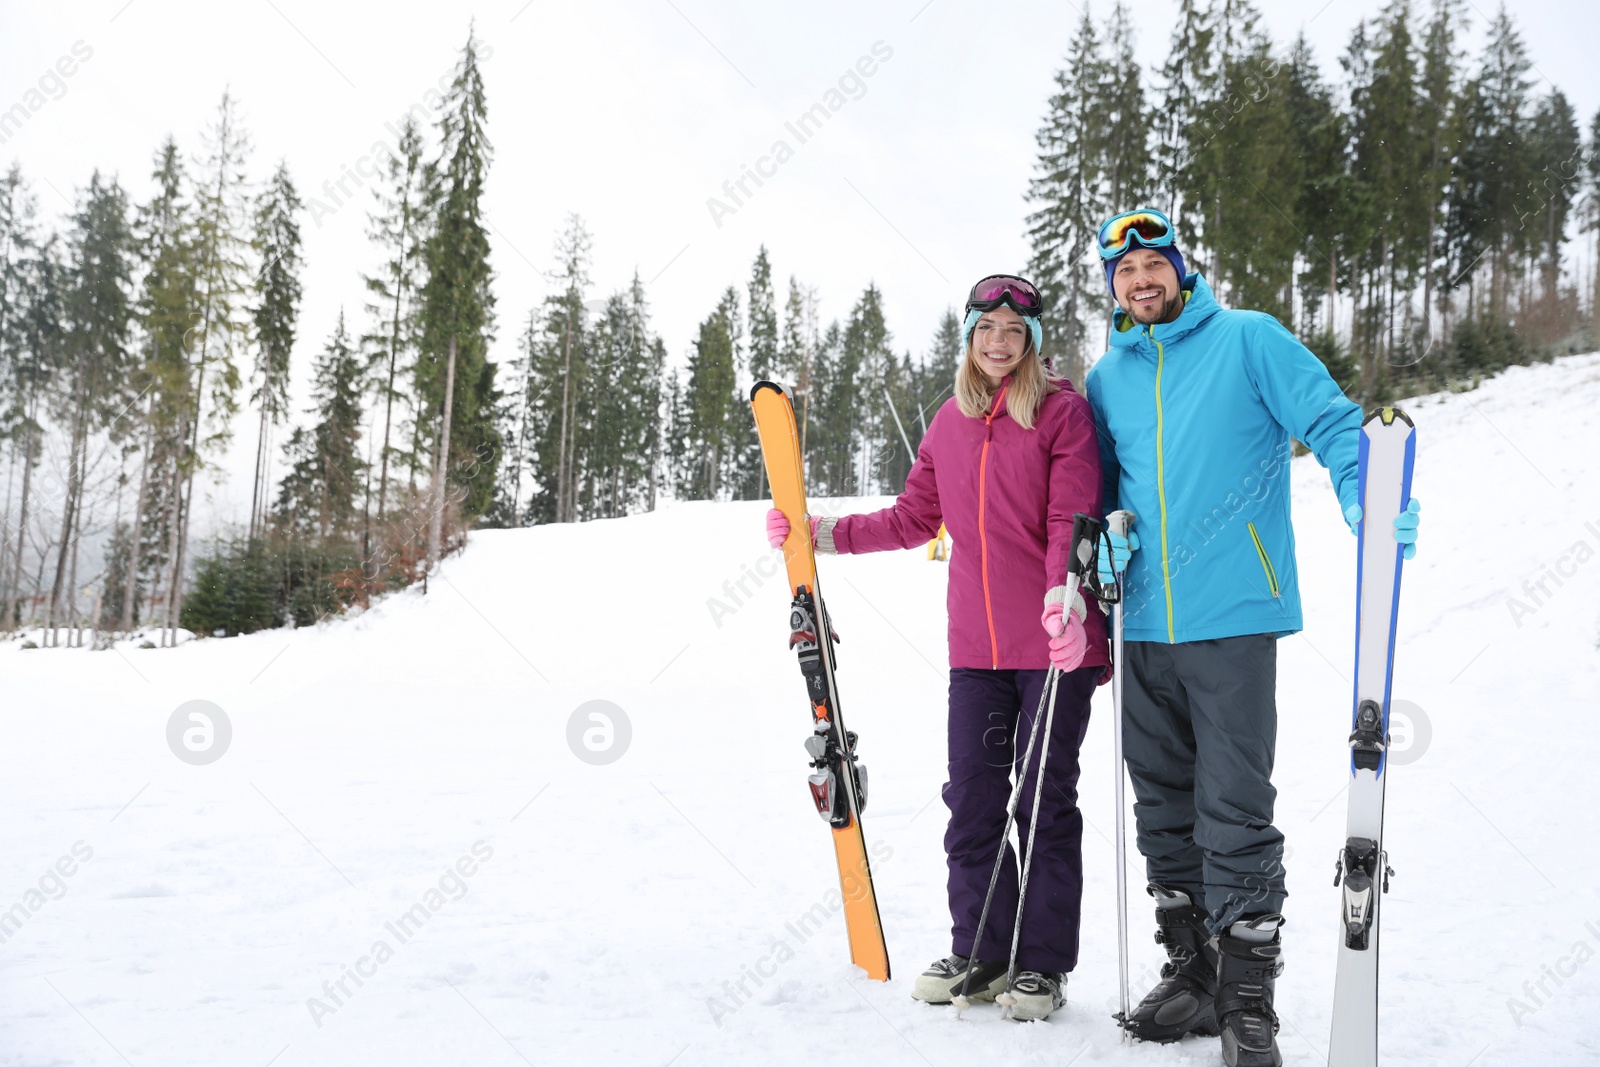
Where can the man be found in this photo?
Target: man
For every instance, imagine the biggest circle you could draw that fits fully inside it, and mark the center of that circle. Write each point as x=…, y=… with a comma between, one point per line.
x=1196, y=407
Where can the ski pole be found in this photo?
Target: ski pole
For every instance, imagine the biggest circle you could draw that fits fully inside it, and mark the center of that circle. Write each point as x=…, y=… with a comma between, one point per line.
x=1007, y=1000
x=1118, y=522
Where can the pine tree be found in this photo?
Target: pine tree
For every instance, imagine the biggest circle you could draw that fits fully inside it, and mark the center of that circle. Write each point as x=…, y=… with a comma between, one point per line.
x=1555, y=160
x=299, y=495
x=761, y=359
x=318, y=496
x=514, y=416
x=708, y=403
x=220, y=250
x=797, y=350
x=556, y=380
x=763, y=319
x=876, y=421
x=1126, y=149
x=1318, y=136
x=1065, y=190
x=397, y=226
x=1593, y=222
x=1388, y=156
x=167, y=296
x=1186, y=78
x=625, y=440
x=277, y=289
x=454, y=375
x=678, y=460
x=1469, y=223
x=98, y=315
x=1505, y=88
x=33, y=355
x=1257, y=239
x=1237, y=152
x=1440, y=121
x=17, y=210
x=936, y=377
x=830, y=452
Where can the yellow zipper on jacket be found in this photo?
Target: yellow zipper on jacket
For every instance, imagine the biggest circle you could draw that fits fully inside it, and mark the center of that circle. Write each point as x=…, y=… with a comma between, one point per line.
x=1161, y=486
x=1266, y=562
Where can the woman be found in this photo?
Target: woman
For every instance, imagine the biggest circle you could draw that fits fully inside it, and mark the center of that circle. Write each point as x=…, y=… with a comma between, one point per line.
x=1005, y=464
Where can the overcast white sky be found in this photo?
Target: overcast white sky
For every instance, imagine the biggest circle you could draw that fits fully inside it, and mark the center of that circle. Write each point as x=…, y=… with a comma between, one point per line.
x=632, y=115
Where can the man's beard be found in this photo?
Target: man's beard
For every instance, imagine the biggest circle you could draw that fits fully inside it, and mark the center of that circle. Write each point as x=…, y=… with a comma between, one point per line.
x=1169, y=310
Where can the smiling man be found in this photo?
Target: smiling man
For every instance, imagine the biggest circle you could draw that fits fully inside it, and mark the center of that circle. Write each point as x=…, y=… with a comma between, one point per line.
x=1196, y=407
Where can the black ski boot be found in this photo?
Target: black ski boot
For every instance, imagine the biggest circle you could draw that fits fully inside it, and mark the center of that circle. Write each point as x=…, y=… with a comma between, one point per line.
x=1181, y=1002
x=1247, y=968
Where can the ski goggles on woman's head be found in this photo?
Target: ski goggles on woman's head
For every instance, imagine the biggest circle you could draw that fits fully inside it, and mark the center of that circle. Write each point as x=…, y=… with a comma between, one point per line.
x=1007, y=289
x=1147, y=226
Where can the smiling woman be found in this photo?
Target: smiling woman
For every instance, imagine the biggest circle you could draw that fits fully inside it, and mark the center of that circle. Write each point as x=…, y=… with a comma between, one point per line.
x=1005, y=465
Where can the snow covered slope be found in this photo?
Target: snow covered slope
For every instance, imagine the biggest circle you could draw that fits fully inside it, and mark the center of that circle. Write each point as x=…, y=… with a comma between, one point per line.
x=400, y=859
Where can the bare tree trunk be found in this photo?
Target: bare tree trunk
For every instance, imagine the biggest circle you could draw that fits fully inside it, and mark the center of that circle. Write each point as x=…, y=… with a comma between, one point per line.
x=366, y=512
x=1333, y=294
x=68, y=516
x=441, y=463
x=416, y=447
x=1216, y=251
x=185, y=499
x=257, y=489
x=130, y=581
x=388, y=392
x=38, y=582
x=562, y=472
x=5, y=547
x=22, y=518
x=655, y=461
x=169, y=517
x=75, y=640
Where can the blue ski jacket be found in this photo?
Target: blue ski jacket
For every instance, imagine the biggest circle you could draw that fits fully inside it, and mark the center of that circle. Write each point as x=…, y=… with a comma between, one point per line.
x=1195, y=419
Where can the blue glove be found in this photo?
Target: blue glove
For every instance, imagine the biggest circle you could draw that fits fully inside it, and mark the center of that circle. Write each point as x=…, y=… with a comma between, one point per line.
x=1122, y=549
x=1405, y=524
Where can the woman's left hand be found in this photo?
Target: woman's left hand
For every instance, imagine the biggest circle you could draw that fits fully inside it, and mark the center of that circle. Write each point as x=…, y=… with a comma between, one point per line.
x=1068, y=641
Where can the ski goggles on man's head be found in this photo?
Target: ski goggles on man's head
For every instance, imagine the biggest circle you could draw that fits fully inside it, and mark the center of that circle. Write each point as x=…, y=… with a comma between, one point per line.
x=1147, y=226
x=1007, y=289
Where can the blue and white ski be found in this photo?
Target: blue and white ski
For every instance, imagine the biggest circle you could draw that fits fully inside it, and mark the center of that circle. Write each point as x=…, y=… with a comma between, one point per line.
x=1388, y=448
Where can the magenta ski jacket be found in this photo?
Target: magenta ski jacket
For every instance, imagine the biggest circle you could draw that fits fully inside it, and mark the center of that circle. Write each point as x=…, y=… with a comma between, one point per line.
x=1007, y=496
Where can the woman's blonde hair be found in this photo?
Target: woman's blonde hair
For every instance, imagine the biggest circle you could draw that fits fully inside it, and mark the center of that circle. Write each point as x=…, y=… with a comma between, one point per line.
x=1029, y=384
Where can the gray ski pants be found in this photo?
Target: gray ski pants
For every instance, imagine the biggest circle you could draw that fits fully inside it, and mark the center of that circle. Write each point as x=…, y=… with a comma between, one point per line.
x=1199, y=726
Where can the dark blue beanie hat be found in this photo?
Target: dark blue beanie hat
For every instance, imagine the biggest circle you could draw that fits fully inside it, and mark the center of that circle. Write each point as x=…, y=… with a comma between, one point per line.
x=1174, y=257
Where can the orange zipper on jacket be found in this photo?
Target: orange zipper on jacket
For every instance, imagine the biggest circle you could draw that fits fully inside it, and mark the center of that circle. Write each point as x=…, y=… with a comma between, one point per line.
x=983, y=536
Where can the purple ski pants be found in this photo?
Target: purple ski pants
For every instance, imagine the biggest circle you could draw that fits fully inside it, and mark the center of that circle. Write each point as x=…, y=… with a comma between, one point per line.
x=991, y=713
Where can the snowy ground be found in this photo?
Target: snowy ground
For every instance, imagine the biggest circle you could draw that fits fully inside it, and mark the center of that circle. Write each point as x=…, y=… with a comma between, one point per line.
x=416, y=761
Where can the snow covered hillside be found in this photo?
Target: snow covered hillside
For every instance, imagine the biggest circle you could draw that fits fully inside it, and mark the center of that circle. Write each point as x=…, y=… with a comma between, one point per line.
x=402, y=859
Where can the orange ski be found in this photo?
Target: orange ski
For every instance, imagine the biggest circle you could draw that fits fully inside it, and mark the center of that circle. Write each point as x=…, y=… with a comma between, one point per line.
x=838, y=785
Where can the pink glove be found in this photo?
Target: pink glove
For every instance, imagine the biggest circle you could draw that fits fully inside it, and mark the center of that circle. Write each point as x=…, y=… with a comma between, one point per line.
x=1068, y=641
x=778, y=527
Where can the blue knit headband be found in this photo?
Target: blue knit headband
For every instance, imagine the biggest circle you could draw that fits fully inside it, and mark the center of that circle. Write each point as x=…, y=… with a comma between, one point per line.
x=1034, y=328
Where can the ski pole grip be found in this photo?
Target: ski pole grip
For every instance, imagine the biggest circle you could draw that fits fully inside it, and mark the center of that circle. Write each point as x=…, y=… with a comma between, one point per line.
x=1085, y=532
x=1119, y=521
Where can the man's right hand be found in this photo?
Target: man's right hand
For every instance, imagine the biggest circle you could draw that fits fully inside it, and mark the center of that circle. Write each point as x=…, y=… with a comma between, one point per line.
x=1122, y=549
